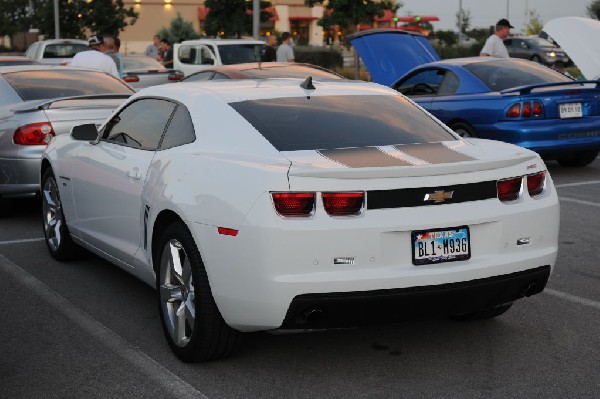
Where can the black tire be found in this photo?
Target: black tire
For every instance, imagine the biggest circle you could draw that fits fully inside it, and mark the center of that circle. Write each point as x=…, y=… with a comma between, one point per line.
x=463, y=129
x=483, y=314
x=56, y=232
x=199, y=332
x=579, y=159
x=536, y=58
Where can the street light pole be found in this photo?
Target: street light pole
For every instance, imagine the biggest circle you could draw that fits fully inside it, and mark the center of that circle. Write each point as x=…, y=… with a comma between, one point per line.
x=255, y=18
x=56, y=24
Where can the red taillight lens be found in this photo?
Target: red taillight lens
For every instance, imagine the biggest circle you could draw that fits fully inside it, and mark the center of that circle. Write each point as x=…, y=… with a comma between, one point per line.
x=175, y=77
x=131, y=79
x=509, y=189
x=536, y=183
x=34, y=134
x=294, y=204
x=538, y=109
x=526, y=112
x=227, y=231
x=343, y=204
x=514, y=111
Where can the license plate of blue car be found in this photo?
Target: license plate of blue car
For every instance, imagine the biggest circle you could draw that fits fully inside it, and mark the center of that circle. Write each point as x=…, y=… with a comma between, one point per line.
x=570, y=110
x=440, y=245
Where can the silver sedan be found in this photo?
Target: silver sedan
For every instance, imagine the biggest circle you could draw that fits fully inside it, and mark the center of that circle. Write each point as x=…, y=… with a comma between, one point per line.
x=140, y=71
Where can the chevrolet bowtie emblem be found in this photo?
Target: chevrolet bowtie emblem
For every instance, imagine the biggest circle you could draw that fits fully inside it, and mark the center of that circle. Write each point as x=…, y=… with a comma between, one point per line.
x=439, y=196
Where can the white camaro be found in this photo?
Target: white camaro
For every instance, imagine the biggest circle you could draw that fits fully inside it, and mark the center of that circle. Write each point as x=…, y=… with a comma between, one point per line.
x=281, y=204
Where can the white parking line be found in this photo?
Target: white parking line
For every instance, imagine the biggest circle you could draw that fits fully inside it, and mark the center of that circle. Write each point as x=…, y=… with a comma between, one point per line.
x=578, y=201
x=581, y=183
x=573, y=298
x=166, y=379
x=21, y=241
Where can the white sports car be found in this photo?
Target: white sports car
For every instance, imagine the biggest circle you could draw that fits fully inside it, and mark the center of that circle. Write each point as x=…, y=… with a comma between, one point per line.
x=283, y=204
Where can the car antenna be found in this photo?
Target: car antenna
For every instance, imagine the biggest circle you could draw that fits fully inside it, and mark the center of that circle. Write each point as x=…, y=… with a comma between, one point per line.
x=308, y=85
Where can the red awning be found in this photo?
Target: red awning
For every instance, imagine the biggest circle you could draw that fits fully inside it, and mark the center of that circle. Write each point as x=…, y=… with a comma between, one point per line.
x=388, y=15
x=202, y=13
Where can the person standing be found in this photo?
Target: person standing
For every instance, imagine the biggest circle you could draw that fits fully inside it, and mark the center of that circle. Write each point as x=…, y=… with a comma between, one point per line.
x=269, y=53
x=285, y=53
x=118, y=56
x=166, y=54
x=95, y=58
x=152, y=49
x=494, y=45
x=110, y=50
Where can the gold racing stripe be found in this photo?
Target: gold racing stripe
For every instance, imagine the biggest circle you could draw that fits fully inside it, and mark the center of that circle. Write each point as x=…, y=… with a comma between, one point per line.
x=363, y=157
x=433, y=153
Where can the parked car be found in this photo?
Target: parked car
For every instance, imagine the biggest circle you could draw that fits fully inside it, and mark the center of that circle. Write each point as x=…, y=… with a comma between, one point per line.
x=192, y=56
x=9, y=60
x=55, y=51
x=140, y=71
x=263, y=70
x=40, y=101
x=535, y=49
x=579, y=38
x=512, y=100
x=288, y=204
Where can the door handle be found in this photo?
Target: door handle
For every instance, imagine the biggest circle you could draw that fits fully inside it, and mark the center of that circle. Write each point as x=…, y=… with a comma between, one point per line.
x=134, y=174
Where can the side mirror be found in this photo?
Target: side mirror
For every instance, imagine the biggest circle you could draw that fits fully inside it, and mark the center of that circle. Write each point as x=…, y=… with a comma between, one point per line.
x=87, y=132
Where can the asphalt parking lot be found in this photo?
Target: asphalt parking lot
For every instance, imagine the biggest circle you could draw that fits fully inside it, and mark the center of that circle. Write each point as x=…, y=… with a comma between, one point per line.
x=89, y=329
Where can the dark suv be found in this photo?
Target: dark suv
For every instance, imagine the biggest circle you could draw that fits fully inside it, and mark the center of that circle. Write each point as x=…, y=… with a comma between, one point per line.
x=535, y=49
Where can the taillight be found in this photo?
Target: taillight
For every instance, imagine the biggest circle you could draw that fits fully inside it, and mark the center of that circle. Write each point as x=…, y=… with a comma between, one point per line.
x=536, y=183
x=294, y=204
x=131, y=79
x=343, y=204
x=509, y=189
x=526, y=112
x=538, y=109
x=175, y=77
x=34, y=134
x=514, y=111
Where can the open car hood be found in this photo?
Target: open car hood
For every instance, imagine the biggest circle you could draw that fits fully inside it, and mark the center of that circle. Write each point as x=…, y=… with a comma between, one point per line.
x=578, y=37
x=389, y=53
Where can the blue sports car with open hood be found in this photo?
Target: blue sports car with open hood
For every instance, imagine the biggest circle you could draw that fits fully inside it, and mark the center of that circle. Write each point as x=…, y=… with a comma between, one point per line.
x=511, y=100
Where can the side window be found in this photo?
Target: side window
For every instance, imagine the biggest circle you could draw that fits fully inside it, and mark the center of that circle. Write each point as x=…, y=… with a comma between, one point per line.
x=141, y=124
x=180, y=130
x=200, y=76
x=207, y=56
x=30, y=53
x=449, y=84
x=219, y=76
x=423, y=83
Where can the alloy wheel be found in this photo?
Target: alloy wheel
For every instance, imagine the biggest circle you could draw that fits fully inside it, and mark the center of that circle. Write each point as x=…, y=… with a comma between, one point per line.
x=53, y=214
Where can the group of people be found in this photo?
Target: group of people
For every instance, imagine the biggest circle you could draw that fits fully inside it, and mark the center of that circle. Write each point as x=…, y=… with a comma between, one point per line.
x=103, y=55
x=160, y=49
x=284, y=53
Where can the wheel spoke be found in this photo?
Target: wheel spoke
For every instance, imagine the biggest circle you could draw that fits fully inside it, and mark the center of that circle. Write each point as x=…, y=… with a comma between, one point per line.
x=175, y=248
x=180, y=330
x=170, y=293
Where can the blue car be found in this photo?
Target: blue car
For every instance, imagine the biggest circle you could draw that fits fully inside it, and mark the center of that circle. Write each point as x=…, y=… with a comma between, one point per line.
x=512, y=100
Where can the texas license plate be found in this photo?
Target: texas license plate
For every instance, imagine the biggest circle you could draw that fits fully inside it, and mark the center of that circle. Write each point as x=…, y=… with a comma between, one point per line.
x=570, y=110
x=440, y=245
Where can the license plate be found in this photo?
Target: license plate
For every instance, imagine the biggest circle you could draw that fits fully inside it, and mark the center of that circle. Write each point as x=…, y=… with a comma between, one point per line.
x=570, y=110
x=440, y=245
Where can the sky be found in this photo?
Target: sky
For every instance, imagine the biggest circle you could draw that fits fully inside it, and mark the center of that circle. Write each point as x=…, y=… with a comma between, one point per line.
x=487, y=12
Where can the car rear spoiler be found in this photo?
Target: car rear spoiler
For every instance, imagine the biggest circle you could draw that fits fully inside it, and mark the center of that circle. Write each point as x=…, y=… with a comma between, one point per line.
x=527, y=89
x=46, y=103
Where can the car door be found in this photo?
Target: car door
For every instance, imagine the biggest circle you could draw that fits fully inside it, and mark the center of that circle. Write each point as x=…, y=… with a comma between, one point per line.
x=109, y=180
x=446, y=105
x=421, y=86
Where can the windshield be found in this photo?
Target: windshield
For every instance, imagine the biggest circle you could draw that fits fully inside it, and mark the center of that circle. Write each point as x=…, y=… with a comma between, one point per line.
x=141, y=63
x=505, y=74
x=240, y=53
x=328, y=122
x=44, y=84
x=289, y=71
x=540, y=42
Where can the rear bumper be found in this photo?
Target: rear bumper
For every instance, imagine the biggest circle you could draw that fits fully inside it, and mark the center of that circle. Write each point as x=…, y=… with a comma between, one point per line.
x=345, y=309
x=19, y=176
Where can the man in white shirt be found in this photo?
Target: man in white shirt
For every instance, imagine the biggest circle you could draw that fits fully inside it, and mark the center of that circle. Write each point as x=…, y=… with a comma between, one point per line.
x=494, y=45
x=95, y=58
x=285, y=53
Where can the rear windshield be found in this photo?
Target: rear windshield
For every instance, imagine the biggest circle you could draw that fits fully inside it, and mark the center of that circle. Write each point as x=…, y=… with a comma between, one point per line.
x=501, y=75
x=240, y=53
x=141, y=63
x=64, y=50
x=16, y=62
x=291, y=71
x=299, y=123
x=43, y=84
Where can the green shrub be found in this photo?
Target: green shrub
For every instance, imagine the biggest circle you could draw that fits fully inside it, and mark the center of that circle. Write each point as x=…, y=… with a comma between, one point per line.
x=322, y=56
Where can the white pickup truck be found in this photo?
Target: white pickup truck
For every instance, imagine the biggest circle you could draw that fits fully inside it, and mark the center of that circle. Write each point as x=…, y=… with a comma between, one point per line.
x=192, y=56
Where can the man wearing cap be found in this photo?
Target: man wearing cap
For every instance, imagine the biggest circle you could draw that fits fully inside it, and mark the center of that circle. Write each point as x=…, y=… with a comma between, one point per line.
x=494, y=45
x=95, y=58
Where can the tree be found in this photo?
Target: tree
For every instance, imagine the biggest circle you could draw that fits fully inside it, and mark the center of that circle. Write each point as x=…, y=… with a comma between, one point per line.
x=77, y=16
x=14, y=16
x=593, y=9
x=463, y=20
x=232, y=18
x=348, y=14
x=535, y=24
x=178, y=31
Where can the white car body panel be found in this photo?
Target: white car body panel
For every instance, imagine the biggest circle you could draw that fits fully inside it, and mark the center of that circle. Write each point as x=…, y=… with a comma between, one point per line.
x=579, y=38
x=225, y=177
